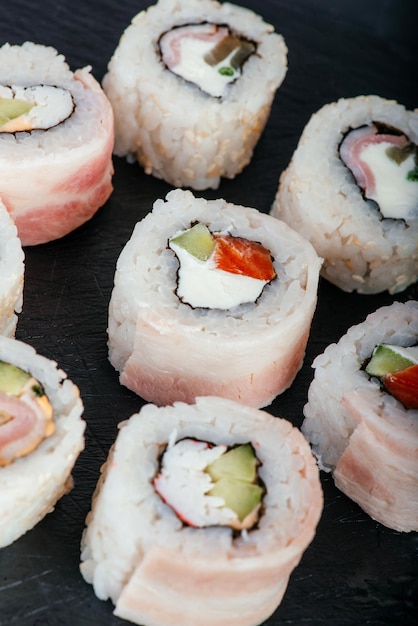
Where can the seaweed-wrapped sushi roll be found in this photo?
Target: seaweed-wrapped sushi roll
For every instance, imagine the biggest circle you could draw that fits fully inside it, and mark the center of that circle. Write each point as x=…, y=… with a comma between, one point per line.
x=351, y=188
x=219, y=503
x=362, y=414
x=12, y=271
x=191, y=83
x=211, y=298
x=41, y=436
x=56, y=134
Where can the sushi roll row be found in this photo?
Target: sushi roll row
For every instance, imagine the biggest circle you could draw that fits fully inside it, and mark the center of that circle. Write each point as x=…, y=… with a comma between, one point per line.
x=209, y=319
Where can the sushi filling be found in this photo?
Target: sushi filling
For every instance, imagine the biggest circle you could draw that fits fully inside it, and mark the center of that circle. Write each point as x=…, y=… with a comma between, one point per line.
x=208, y=55
x=396, y=368
x=208, y=485
x=26, y=415
x=385, y=167
x=219, y=271
x=38, y=107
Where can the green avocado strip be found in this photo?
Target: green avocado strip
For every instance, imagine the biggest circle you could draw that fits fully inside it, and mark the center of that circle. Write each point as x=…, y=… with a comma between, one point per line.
x=10, y=109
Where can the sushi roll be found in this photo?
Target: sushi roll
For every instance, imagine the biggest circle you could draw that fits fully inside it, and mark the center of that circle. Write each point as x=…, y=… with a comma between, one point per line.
x=41, y=436
x=56, y=134
x=12, y=272
x=191, y=83
x=211, y=298
x=351, y=188
x=362, y=414
x=219, y=503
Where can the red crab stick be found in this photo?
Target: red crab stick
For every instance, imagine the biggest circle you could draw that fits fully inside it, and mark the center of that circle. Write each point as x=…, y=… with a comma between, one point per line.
x=242, y=256
x=403, y=386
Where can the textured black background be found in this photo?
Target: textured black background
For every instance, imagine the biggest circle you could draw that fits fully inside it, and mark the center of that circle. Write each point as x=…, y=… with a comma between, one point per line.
x=356, y=571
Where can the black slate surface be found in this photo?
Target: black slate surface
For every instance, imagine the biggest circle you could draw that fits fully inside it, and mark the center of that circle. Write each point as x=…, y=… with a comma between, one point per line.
x=356, y=571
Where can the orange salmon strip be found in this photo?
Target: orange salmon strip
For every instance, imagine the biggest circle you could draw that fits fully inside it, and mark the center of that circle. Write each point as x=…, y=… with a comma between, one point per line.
x=403, y=386
x=242, y=256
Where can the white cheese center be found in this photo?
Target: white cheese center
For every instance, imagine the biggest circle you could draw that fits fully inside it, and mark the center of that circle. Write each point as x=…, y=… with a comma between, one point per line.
x=396, y=196
x=193, y=67
x=202, y=285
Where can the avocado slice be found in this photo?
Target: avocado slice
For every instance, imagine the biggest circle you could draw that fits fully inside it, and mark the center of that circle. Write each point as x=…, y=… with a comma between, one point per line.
x=234, y=474
x=239, y=463
x=239, y=496
x=12, y=378
x=197, y=241
x=388, y=359
x=11, y=108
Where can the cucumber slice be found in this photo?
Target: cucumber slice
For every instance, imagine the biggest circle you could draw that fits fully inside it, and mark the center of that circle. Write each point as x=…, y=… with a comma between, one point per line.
x=12, y=378
x=197, y=240
x=388, y=359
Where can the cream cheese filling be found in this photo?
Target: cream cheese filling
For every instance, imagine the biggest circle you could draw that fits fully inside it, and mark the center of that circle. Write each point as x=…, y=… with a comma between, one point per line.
x=396, y=196
x=202, y=285
x=193, y=67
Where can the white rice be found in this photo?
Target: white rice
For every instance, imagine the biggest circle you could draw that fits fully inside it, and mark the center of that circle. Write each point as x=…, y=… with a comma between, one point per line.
x=11, y=274
x=31, y=485
x=318, y=197
x=175, y=130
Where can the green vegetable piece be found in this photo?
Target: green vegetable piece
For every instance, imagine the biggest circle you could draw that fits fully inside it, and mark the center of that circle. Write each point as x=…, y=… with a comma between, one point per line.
x=12, y=378
x=239, y=463
x=226, y=71
x=239, y=496
x=387, y=359
x=412, y=175
x=10, y=109
x=197, y=240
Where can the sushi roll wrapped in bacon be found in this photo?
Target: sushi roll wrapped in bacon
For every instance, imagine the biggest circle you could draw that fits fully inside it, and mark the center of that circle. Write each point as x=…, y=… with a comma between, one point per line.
x=12, y=272
x=211, y=298
x=351, y=188
x=191, y=83
x=56, y=135
x=362, y=414
x=162, y=540
x=41, y=436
